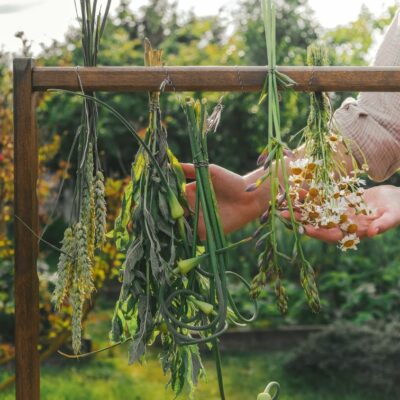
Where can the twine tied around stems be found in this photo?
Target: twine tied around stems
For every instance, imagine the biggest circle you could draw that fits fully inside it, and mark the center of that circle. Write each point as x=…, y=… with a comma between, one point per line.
x=154, y=105
x=166, y=82
x=202, y=163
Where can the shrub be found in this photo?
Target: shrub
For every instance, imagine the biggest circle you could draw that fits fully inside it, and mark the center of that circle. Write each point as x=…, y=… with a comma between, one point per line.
x=366, y=355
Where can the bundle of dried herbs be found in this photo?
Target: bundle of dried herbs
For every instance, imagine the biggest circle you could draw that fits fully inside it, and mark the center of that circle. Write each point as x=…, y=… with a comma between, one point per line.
x=173, y=286
x=314, y=190
x=86, y=231
x=331, y=190
x=273, y=159
x=151, y=228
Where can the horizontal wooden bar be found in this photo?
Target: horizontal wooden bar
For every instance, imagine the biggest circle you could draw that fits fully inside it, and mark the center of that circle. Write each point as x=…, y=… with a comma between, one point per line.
x=201, y=78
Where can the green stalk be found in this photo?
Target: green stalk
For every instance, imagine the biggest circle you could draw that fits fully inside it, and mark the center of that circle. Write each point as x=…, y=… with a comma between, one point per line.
x=196, y=260
x=212, y=228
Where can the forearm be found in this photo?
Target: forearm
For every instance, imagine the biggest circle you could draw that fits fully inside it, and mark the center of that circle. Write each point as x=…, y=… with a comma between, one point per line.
x=372, y=122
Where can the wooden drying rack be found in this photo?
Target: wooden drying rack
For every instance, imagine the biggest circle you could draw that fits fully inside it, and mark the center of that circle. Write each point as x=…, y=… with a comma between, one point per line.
x=29, y=80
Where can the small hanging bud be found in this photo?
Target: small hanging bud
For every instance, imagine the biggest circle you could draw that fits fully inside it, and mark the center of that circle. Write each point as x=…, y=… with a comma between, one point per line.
x=258, y=231
x=267, y=163
x=185, y=266
x=288, y=153
x=281, y=198
x=260, y=242
x=263, y=156
x=265, y=216
x=251, y=188
x=204, y=307
x=175, y=207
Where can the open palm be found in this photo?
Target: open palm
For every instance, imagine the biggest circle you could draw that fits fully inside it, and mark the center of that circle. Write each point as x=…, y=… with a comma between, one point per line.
x=384, y=201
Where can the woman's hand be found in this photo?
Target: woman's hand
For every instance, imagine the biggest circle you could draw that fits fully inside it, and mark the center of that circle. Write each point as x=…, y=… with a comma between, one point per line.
x=236, y=206
x=384, y=201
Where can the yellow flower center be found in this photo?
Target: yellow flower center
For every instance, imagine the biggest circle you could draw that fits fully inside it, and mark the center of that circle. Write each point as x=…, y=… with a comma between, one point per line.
x=296, y=170
x=349, y=243
x=313, y=192
x=352, y=228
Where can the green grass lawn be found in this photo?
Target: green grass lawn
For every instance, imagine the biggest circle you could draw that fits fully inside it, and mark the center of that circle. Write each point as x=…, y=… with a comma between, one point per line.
x=107, y=376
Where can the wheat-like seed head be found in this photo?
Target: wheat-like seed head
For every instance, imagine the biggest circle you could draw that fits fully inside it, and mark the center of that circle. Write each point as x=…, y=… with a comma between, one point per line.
x=64, y=269
x=100, y=210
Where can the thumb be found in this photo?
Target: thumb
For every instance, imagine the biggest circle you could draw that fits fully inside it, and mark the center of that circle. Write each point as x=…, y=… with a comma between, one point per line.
x=189, y=170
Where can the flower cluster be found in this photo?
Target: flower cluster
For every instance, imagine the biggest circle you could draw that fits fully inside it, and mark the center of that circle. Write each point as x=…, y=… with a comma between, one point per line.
x=322, y=192
x=328, y=199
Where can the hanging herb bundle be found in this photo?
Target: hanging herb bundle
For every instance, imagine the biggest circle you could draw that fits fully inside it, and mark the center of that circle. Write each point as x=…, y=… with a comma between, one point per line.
x=88, y=220
x=273, y=160
x=331, y=191
x=151, y=228
x=173, y=286
x=218, y=300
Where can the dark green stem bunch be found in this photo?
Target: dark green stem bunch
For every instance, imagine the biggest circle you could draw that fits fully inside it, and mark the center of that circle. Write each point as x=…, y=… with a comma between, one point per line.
x=87, y=229
x=271, y=259
x=153, y=232
x=173, y=286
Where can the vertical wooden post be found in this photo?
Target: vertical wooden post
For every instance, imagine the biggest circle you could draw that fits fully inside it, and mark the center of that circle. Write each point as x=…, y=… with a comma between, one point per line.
x=26, y=245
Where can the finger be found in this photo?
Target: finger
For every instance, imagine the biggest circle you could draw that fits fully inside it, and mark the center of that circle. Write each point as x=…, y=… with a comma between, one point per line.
x=302, y=194
x=286, y=214
x=191, y=194
x=381, y=225
x=327, y=235
x=189, y=170
x=202, y=231
x=190, y=187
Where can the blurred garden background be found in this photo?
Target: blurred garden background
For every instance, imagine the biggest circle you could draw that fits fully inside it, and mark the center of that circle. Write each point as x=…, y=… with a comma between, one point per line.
x=354, y=352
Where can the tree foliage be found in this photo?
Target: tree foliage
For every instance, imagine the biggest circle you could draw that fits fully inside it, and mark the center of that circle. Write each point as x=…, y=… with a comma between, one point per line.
x=360, y=287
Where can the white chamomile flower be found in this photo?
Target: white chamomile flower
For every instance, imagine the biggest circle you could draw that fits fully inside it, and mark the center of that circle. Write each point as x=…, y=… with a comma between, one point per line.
x=353, y=199
x=360, y=182
x=329, y=221
x=347, y=180
x=360, y=191
x=333, y=141
x=337, y=206
x=349, y=242
x=298, y=166
x=296, y=180
x=349, y=227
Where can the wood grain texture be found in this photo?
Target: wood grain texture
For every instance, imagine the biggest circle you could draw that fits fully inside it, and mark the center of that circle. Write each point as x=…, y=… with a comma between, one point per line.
x=247, y=79
x=26, y=245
